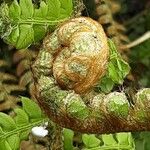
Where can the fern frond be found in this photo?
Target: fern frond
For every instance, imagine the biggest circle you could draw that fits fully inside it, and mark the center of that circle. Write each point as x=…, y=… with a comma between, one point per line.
x=21, y=24
x=15, y=129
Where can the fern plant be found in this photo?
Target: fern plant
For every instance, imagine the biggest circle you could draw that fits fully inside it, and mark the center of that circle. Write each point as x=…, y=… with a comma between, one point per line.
x=17, y=128
x=21, y=24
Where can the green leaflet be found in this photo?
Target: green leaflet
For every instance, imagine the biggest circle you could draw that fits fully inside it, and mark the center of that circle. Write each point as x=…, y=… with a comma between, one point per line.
x=117, y=67
x=116, y=72
x=13, y=130
x=68, y=139
x=142, y=140
x=90, y=141
x=6, y=122
x=21, y=24
x=32, y=109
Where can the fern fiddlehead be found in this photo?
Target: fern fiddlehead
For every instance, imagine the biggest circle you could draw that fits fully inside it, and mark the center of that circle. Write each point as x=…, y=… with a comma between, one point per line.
x=71, y=61
x=80, y=62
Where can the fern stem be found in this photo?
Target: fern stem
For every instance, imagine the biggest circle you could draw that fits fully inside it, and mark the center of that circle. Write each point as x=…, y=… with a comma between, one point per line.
x=39, y=22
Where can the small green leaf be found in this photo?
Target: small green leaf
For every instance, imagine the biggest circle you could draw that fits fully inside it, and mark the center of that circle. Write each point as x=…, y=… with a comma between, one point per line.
x=26, y=36
x=117, y=67
x=6, y=122
x=39, y=32
x=90, y=141
x=123, y=138
x=13, y=132
x=113, y=72
x=116, y=71
x=68, y=139
x=106, y=84
x=53, y=9
x=42, y=11
x=27, y=9
x=13, y=37
x=108, y=139
x=31, y=108
x=66, y=7
x=14, y=141
x=21, y=117
x=4, y=145
x=14, y=10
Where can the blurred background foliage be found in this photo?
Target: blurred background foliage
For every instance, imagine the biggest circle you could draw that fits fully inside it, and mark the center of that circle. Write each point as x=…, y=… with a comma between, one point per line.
x=123, y=21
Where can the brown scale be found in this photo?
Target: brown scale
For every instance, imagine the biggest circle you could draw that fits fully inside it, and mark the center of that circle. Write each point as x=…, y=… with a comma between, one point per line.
x=9, y=88
x=23, y=59
x=105, y=9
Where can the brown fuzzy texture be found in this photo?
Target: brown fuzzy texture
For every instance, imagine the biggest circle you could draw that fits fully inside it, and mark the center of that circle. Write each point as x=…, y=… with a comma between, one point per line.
x=70, y=35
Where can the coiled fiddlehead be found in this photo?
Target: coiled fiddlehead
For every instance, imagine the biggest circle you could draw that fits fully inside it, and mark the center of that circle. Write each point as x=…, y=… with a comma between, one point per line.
x=80, y=51
x=71, y=61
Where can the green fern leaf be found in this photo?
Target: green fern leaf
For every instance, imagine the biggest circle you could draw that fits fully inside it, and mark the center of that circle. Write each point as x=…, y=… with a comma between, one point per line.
x=68, y=139
x=90, y=141
x=31, y=108
x=21, y=24
x=6, y=122
x=21, y=117
x=14, y=130
x=117, y=70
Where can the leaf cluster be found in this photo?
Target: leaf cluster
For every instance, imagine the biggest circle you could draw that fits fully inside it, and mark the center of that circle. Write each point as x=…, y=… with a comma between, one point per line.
x=117, y=70
x=22, y=24
x=121, y=141
x=15, y=129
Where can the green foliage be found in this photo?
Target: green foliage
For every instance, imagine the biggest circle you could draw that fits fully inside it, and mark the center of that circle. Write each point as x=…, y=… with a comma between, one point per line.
x=14, y=130
x=118, y=141
x=68, y=139
x=142, y=140
x=121, y=141
x=116, y=72
x=90, y=141
x=21, y=24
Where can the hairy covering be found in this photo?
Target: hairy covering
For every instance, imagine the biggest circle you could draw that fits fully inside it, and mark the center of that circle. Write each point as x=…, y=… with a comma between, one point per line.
x=80, y=51
x=71, y=61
